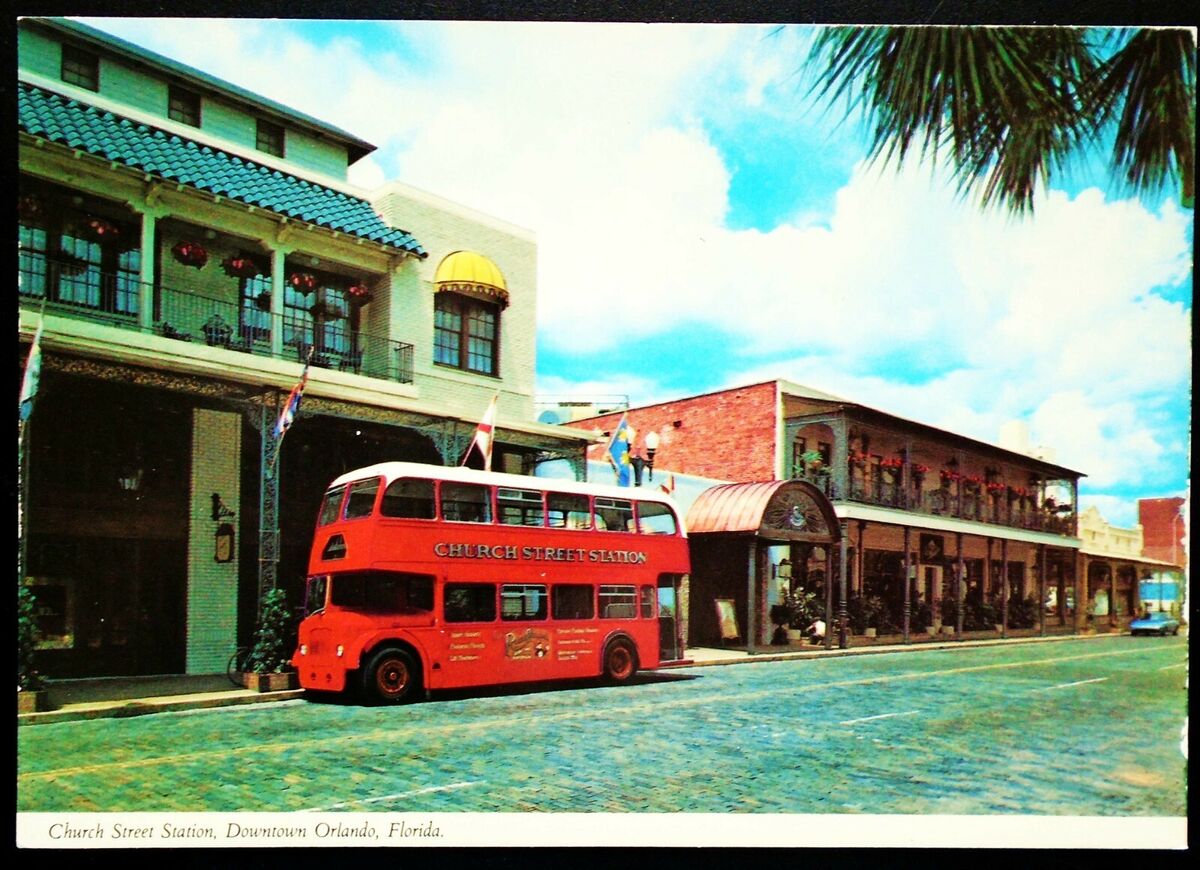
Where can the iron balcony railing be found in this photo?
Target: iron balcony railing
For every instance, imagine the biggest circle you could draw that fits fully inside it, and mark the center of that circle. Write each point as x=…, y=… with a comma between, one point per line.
x=945, y=502
x=83, y=290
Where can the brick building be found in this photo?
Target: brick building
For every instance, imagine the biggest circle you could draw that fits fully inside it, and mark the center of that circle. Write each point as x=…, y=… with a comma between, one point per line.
x=1164, y=529
x=961, y=517
x=185, y=246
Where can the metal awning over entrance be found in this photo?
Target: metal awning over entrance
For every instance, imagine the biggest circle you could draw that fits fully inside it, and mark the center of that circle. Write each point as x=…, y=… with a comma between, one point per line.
x=776, y=510
x=731, y=530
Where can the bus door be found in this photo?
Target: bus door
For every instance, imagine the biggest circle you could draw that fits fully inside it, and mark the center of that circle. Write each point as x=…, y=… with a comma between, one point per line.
x=670, y=644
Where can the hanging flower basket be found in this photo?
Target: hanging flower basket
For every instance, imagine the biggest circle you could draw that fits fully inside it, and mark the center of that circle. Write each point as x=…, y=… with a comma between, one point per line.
x=320, y=310
x=29, y=208
x=920, y=469
x=358, y=294
x=305, y=281
x=950, y=476
x=240, y=267
x=891, y=462
x=263, y=301
x=100, y=230
x=190, y=254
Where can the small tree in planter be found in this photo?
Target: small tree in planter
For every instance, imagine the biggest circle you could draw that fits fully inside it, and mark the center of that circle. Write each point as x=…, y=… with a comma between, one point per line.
x=920, y=617
x=268, y=665
x=30, y=684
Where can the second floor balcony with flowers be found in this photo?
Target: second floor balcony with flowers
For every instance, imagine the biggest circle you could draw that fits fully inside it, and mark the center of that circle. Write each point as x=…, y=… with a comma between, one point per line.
x=895, y=470
x=208, y=289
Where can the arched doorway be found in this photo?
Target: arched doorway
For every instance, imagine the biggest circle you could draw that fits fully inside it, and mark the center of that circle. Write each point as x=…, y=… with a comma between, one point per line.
x=738, y=536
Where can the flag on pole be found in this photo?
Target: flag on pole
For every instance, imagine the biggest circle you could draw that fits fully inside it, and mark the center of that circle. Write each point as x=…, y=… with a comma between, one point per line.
x=33, y=374
x=291, y=407
x=483, y=435
x=618, y=452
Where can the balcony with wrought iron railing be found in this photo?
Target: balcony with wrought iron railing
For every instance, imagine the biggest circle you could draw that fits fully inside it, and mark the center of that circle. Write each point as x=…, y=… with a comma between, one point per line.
x=994, y=503
x=76, y=289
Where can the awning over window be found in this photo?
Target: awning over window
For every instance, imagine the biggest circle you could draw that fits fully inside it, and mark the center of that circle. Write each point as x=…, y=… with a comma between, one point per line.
x=782, y=510
x=471, y=274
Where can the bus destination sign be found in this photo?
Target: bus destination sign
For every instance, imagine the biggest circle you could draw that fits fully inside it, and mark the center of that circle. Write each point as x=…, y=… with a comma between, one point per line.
x=511, y=552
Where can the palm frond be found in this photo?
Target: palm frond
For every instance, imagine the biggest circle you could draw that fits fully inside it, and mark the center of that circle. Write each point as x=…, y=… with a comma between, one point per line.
x=1149, y=86
x=1004, y=103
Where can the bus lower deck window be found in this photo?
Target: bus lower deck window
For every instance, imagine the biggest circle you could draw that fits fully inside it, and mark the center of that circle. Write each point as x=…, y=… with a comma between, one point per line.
x=618, y=602
x=470, y=602
x=572, y=601
x=520, y=601
x=382, y=592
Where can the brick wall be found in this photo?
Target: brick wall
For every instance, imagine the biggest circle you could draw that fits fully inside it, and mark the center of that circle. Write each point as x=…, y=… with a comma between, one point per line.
x=212, y=586
x=729, y=435
x=1162, y=529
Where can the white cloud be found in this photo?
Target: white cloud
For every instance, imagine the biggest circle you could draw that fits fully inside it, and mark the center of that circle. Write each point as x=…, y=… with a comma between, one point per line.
x=600, y=139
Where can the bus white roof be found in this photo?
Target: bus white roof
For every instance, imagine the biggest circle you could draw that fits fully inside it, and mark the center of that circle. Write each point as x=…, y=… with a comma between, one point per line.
x=390, y=471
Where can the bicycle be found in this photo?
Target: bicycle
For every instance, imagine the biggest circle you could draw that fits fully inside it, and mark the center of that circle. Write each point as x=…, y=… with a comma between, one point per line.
x=237, y=665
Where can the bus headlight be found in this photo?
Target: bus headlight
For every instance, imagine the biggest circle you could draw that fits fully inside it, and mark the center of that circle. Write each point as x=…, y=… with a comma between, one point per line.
x=303, y=649
x=340, y=649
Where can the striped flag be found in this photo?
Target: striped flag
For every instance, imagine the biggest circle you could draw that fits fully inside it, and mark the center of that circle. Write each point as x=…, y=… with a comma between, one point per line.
x=33, y=374
x=483, y=435
x=292, y=406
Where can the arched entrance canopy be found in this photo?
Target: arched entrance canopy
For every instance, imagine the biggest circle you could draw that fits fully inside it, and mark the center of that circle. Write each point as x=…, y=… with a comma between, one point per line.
x=731, y=529
x=776, y=510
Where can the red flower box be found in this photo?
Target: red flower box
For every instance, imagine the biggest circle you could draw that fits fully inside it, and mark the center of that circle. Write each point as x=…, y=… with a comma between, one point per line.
x=100, y=230
x=358, y=293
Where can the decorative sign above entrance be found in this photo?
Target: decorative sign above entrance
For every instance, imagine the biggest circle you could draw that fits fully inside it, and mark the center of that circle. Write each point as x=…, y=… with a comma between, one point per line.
x=793, y=510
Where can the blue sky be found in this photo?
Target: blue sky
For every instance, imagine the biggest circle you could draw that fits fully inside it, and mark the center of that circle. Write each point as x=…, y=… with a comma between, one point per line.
x=702, y=224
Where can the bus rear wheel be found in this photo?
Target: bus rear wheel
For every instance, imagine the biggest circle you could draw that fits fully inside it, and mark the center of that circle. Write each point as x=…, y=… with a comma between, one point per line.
x=620, y=661
x=391, y=676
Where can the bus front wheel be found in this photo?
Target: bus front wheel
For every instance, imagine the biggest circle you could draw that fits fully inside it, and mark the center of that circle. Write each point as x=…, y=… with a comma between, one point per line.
x=620, y=661
x=391, y=677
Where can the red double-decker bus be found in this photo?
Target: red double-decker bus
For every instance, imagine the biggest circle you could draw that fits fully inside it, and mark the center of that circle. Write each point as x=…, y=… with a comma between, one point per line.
x=424, y=577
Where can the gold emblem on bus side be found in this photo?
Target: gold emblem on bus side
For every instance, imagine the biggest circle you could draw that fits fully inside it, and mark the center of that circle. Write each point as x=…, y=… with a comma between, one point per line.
x=532, y=643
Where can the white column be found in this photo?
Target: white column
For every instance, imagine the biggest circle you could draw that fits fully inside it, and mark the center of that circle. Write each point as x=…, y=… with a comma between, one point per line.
x=278, y=257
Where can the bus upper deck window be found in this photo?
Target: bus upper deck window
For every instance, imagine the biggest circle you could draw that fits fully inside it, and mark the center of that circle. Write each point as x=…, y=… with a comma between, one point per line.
x=361, y=501
x=466, y=503
x=409, y=498
x=519, y=507
x=655, y=518
x=568, y=511
x=614, y=514
x=329, y=507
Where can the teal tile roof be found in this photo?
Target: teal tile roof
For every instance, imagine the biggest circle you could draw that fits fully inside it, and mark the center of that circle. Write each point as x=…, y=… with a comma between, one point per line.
x=95, y=131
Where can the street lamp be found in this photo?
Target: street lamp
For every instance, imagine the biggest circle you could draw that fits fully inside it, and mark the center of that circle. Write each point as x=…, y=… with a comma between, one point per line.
x=638, y=463
x=651, y=447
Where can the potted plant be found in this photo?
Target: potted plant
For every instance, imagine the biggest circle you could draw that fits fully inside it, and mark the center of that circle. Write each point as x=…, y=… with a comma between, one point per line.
x=30, y=685
x=781, y=617
x=805, y=609
x=268, y=665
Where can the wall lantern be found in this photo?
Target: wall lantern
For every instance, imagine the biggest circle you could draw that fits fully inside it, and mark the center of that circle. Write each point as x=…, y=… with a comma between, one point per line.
x=223, y=543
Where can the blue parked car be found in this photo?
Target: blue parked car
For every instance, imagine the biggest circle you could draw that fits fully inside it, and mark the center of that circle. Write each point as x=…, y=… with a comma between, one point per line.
x=1155, y=623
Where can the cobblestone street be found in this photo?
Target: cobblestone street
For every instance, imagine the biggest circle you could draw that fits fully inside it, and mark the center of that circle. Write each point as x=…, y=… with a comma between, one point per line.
x=1087, y=727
